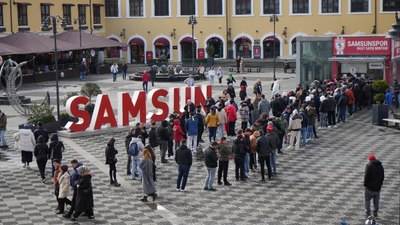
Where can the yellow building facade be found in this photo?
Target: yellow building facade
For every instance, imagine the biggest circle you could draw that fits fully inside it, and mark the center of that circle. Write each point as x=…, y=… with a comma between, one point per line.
x=160, y=29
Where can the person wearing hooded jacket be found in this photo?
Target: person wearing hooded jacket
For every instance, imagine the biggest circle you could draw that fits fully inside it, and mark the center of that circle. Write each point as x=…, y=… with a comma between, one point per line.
x=41, y=153
x=136, y=159
x=56, y=149
x=25, y=142
x=373, y=180
x=231, y=116
x=178, y=133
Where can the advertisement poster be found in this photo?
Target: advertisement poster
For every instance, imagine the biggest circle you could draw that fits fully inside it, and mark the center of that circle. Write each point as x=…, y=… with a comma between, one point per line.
x=362, y=45
x=257, y=52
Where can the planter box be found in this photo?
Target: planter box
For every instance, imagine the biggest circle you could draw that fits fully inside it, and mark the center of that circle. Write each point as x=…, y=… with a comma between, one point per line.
x=379, y=112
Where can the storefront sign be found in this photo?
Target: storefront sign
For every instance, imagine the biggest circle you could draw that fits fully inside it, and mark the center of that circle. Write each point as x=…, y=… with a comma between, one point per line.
x=396, y=49
x=375, y=66
x=361, y=46
x=257, y=52
x=133, y=107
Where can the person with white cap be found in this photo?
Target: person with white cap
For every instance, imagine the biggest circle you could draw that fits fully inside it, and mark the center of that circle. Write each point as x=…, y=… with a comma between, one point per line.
x=294, y=129
x=373, y=180
x=323, y=112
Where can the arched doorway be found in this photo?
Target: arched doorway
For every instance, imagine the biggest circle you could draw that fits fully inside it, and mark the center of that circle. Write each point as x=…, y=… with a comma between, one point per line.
x=137, y=50
x=114, y=52
x=268, y=45
x=218, y=45
x=186, y=48
x=243, y=47
x=161, y=48
x=294, y=46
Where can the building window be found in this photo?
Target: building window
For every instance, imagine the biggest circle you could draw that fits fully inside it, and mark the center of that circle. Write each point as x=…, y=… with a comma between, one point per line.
x=82, y=14
x=45, y=11
x=214, y=7
x=136, y=8
x=161, y=7
x=67, y=14
x=188, y=7
x=1, y=16
x=359, y=6
x=22, y=15
x=243, y=7
x=96, y=14
x=300, y=6
x=391, y=5
x=111, y=7
x=330, y=6
x=268, y=6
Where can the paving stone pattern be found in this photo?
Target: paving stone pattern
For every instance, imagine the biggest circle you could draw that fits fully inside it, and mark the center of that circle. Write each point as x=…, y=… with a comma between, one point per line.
x=319, y=184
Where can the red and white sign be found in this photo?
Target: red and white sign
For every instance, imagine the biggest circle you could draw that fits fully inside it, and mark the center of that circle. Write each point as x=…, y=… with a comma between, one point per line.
x=396, y=49
x=361, y=46
x=133, y=107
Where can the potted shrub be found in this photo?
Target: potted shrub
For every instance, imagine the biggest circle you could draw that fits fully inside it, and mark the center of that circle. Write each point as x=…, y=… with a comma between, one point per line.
x=90, y=89
x=380, y=111
x=43, y=113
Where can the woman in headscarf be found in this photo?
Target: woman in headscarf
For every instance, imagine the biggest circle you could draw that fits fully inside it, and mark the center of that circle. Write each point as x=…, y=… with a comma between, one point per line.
x=84, y=198
x=147, y=167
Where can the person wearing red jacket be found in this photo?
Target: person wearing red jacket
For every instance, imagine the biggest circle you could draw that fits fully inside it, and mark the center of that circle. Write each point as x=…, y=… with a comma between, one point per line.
x=350, y=103
x=231, y=118
x=145, y=79
x=178, y=133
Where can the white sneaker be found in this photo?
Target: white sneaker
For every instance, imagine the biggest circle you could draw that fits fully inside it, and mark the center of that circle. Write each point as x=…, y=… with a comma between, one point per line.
x=335, y=126
x=319, y=128
x=178, y=189
x=184, y=190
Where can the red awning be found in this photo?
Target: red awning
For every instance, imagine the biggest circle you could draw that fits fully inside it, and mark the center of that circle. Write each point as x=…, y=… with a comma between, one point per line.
x=186, y=40
x=136, y=41
x=270, y=38
x=162, y=41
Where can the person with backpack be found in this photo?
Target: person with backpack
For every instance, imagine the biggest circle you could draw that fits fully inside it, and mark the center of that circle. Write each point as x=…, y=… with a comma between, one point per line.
x=56, y=149
x=41, y=153
x=111, y=160
x=135, y=148
x=163, y=137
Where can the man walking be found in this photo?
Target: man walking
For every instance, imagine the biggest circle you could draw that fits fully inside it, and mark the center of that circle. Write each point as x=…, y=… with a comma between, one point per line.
x=183, y=158
x=211, y=160
x=114, y=71
x=373, y=180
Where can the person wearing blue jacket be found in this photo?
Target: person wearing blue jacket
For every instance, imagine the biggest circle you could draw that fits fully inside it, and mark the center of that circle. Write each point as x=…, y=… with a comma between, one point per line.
x=389, y=99
x=73, y=178
x=192, y=131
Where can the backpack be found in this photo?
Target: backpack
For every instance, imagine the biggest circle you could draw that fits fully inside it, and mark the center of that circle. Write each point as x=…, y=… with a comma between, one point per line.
x=133, y=149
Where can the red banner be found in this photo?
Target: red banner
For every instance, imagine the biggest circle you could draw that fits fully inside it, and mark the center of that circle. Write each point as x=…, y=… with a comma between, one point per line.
x=361, y=46
x=149, y=55
x=200, y=53
x=396, y=49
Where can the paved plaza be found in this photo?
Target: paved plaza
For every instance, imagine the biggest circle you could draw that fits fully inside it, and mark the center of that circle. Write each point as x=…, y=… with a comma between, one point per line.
x=320, y=184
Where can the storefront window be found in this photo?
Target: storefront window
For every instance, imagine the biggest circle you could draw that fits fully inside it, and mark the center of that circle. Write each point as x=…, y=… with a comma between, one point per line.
x=314, y=63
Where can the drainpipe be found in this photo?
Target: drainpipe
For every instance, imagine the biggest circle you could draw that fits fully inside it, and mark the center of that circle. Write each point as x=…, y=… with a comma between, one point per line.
x=11, y=21
x=90, y=12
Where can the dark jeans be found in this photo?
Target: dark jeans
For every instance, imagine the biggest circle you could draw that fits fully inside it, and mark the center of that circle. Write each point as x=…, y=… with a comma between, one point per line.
x=267, y=160
x=114, y=77
x=212, y=133
x=199, y=135
x=62, y=202
x=220, y=80
x=72, y=209
x=124, y=74
x=223, y=169
x=170, y=148
x=42, y=167
x=231, y=129
x=113, y=173
x=183, y=173
x=331, y=118
x=152, y=81
x=239, y=168
x=128, y=165
x=163, y=148
x=350, y=109
x=253, y=163
x=145, y=86
x=244, y=126
x=375, y=195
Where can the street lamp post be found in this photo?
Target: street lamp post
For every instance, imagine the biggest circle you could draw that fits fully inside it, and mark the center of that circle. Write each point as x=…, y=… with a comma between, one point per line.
x=53, y=20
x=80, y=20
x=192, y=21
x=274, y=19
x=394, y=33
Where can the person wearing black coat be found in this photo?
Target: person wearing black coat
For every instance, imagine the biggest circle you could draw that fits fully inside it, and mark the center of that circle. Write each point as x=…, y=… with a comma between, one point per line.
x=239, y=149
x=373, y=180
x=84, y=198
x=183, y=158
x=56, y=149
x=264, y=150
x=140, y=130
x=111, y=160
x=41, y=131
x=41, y=153
x=163, y=137
x=211, y=161
x=127, y=142
x=152, y=136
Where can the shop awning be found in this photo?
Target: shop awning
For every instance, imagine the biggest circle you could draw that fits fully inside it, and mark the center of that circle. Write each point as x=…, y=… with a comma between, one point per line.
x=270, y=38
x=9, y=50
x=31, y=43
x=136, y=41
x=187, y=40
x=357, y=59
x=88, y=40
x=164, y=41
